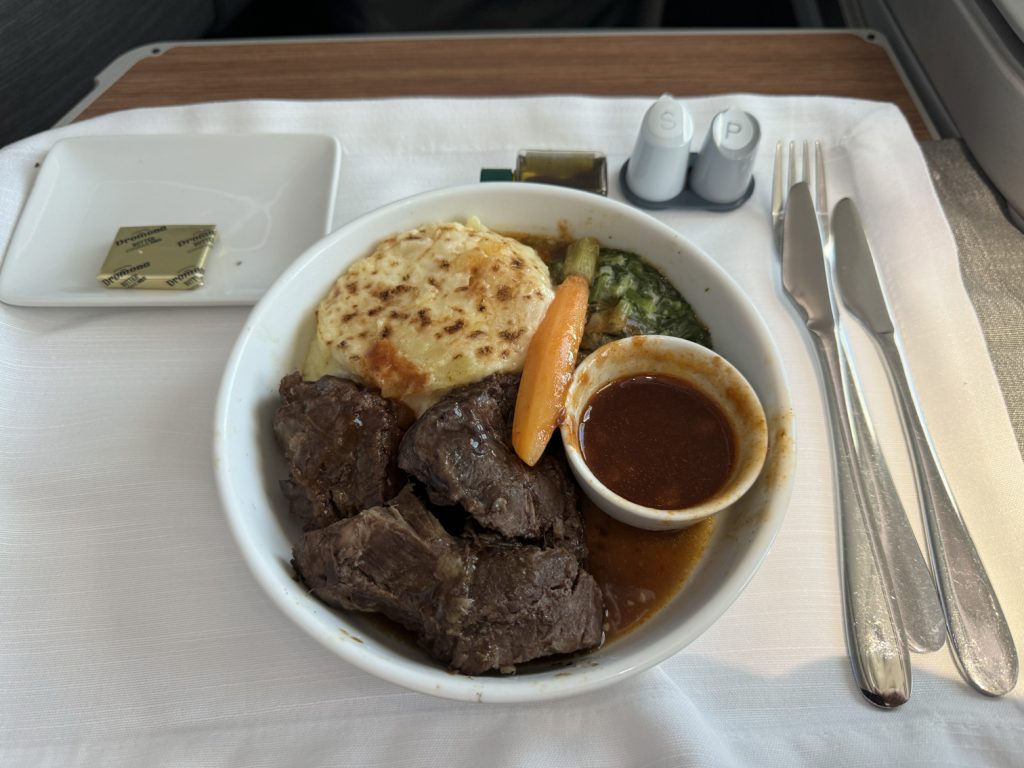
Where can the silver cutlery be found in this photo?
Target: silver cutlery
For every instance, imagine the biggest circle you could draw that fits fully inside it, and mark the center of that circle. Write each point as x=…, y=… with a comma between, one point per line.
x=979, y=636
x=912, y=584
x=874, y=627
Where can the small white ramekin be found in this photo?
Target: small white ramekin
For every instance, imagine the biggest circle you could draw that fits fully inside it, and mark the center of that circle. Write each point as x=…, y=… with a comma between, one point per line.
x=703, y=369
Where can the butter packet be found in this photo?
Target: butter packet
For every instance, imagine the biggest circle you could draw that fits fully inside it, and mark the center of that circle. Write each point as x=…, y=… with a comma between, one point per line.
x=161, y=257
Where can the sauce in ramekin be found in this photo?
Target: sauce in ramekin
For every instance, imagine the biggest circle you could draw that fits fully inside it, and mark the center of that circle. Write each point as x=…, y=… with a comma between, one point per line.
x=657, y=441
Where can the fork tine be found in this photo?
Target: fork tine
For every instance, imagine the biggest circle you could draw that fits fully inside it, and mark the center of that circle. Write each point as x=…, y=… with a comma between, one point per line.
x=792, y=166
x=820, y=185
x=777, y=184
x=783, y=181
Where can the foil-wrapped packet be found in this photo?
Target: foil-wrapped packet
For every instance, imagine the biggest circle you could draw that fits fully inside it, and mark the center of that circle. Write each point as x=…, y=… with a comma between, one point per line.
x=158, y=257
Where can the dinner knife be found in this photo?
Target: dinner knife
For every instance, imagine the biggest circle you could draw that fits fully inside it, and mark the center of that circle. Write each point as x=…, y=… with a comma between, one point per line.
x=979, y=635
x=874, y=628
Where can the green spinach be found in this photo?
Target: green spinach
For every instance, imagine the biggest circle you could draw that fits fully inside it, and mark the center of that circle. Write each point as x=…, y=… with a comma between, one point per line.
x=629, y=297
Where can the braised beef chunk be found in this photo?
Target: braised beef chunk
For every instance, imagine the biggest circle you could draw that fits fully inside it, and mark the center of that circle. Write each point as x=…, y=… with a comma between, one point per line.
x=395, y=559
x=527, y=602
x=461, y=448
x=566, y=529
x=341, y=442
x=478, y=607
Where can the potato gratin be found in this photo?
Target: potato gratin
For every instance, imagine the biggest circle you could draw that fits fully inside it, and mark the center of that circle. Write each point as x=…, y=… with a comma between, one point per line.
x=431, y=309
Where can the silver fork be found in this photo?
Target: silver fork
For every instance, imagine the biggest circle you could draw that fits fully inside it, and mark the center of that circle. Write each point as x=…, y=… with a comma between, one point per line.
x=820, y=187
x=874, y=626
x=912, y=584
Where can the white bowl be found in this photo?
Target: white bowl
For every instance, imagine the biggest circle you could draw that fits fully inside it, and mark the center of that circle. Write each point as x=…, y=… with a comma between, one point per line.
x=248, y=463
x=703, y=369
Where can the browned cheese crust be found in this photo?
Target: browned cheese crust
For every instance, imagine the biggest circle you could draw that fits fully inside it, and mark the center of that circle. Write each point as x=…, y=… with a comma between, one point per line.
x=431, y=309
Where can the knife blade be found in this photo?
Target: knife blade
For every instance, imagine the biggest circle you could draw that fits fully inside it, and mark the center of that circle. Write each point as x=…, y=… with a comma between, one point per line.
x=803, y=262
x=874, y=628
x=980, y=638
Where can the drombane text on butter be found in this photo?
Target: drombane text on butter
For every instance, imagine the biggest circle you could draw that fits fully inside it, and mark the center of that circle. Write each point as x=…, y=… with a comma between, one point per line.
x=161, y=257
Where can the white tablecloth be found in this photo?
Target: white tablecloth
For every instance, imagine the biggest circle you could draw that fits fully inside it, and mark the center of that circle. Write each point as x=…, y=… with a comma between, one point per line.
x=131, y=632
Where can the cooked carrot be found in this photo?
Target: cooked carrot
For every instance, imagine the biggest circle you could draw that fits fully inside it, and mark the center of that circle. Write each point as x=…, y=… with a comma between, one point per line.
x=551, y=356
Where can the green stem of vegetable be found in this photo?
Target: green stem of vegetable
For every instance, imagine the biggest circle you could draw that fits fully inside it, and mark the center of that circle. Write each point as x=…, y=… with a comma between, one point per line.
x=581, y=258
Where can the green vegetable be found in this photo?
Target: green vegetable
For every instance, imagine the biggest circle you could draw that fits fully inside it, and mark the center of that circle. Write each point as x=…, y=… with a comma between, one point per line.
x=628, y=297
x=581, y=259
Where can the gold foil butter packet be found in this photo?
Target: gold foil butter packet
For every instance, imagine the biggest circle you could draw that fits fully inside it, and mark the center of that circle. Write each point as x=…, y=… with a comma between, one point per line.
x=161, y=257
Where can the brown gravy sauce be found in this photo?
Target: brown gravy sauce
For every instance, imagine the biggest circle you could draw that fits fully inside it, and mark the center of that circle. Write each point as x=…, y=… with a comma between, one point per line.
x=639, y=571
x=657, y=441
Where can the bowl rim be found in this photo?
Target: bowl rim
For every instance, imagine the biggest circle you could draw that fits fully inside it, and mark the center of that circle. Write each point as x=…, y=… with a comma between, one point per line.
x=634, y=513
x=436, y=680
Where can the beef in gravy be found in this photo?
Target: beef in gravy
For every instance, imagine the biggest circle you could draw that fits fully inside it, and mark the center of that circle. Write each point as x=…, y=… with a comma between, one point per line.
x=505, y=586
x=473, y=604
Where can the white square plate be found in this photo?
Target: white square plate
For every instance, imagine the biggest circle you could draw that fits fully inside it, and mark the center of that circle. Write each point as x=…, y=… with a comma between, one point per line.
x=270, y=195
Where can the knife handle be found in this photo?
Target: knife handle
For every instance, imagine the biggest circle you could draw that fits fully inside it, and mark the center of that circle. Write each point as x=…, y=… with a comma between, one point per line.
x=979, y=635
x=874, y=627
x=912, y=583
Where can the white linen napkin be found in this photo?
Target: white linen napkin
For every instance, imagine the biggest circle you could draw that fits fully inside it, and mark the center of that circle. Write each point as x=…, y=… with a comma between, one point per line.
x=131, y=632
